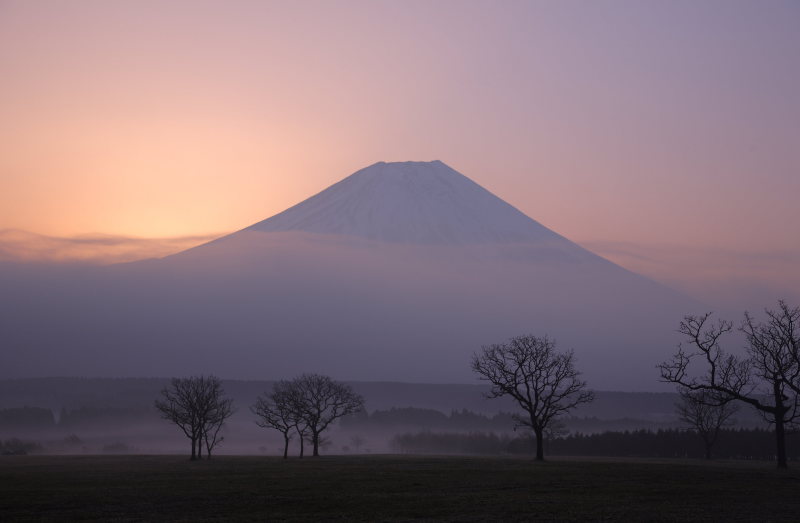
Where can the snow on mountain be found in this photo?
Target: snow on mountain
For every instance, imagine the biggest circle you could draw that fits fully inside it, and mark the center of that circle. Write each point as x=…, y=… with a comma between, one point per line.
x=410, y=202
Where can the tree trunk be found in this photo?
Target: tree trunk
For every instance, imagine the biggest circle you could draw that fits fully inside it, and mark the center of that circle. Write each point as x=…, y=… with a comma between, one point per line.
x=315, y=440
x=302, y=445
x=539, y=444
x=194, y=455
x=286, y=446
x=708, y=442
x=780, y=441
x=780, y=431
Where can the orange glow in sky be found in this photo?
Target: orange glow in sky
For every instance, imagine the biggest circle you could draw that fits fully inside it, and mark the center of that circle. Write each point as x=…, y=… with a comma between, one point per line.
x=662, y=123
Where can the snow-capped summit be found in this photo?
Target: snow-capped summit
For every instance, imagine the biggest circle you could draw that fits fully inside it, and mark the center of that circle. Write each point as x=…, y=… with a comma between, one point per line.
x=410, y=202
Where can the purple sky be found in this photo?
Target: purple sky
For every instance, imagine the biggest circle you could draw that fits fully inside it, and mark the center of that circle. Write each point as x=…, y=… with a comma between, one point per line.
x=663, y=135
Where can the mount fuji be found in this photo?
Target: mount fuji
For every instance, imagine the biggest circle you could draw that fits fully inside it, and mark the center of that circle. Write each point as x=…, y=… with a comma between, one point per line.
x=399, y=272
x=410, y=202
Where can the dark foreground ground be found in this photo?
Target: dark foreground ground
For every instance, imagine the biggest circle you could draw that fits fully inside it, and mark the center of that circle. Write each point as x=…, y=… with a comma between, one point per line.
x=158, y=488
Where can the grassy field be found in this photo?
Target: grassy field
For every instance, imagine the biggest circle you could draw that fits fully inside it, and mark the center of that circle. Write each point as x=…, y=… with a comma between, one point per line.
x=158, y=488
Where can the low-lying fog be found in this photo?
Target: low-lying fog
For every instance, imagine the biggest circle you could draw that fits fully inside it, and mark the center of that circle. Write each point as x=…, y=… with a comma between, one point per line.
x=272, y=305
x=95, y=416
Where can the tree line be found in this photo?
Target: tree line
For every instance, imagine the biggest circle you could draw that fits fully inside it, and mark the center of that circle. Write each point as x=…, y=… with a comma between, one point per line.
x=462, y=419
x=43, y=419
x=304, y=407
x=546, y=385
x=751, y=444
x=31, y=418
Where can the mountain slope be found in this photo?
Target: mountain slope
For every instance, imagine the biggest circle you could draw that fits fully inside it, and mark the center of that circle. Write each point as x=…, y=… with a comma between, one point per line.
x=399, y=272
x=410, y=202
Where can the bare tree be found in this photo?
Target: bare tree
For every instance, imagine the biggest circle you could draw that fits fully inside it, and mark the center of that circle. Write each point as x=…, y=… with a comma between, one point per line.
x=215, y=409
x=301, y=424
x=779, y=334
x=178, y=406
x=325, y=442
x=302, y=435
x=197, y=406
x=542, y=381
x=319, y=400
x=762, y=379
x=276, y=411
x=706, y=413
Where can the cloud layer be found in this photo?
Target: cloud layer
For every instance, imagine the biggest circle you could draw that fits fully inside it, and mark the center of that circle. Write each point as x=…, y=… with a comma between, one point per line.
x=23, y=246
x=722, y=278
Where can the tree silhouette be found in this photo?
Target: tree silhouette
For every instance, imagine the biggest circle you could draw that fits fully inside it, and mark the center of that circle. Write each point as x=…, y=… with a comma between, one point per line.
x=706, y=413
x=214, y=410
x=198, y=407
x=276, y=411
x=765, y=379
x=319, y=400
x=542, y=381
x=778, y=335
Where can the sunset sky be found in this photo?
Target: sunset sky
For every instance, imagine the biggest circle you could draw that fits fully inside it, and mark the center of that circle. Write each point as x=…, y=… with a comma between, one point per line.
x=663, y=135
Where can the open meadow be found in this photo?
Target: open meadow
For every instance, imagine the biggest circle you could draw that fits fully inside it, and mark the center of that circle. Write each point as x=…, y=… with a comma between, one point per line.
x=375, y=488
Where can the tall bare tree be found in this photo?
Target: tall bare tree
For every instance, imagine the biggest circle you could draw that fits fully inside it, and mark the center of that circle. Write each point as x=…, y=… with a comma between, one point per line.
x=761, y=379
x=706, y=413
x=543, y=382
x=319, y=401
x=198, y=407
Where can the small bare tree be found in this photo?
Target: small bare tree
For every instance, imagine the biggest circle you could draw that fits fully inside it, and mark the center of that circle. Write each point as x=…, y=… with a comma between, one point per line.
x=215, y=409
x=198, y=407
x=706, y=413
x=319, y=400
x=178, y=406
x=542, y=381
x=276, y=411
x=302, y=435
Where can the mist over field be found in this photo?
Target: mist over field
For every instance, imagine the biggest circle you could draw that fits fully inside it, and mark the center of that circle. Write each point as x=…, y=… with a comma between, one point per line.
x=117, y=416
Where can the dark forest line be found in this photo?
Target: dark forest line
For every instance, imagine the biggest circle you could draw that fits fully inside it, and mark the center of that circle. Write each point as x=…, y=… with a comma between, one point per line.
x=38, y=419
x=746, y=444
